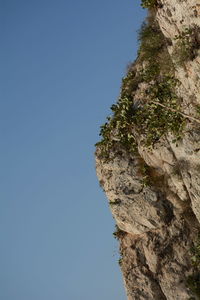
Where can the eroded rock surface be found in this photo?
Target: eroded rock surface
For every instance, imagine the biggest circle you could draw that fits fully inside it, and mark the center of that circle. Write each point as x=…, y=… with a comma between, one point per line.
x=154, y=192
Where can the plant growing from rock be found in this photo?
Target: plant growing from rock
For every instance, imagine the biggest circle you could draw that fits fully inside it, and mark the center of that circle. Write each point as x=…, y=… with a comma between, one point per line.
x=115, y=202
x=148, y=3
x=154, y=120
x=187, y=44
x=193, y=281
x=153, y=116
x=153, y=51
x=118, y=128
x=198, y=109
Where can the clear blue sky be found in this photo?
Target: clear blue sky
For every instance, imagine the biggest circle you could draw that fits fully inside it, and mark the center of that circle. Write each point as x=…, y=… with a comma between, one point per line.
x=61, y=68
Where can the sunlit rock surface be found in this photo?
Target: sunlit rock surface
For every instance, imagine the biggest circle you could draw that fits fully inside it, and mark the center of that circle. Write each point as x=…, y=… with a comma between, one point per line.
x=160, y=220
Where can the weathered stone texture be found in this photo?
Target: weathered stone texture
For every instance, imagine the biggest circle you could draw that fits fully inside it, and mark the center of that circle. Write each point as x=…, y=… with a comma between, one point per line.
x=160, y=220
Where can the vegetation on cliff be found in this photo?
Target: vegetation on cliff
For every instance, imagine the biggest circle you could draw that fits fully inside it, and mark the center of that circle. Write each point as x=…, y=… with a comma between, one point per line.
x=149, y=3
x=193, y=280
x=157, y=186
x=156, y=112
x=187, y=44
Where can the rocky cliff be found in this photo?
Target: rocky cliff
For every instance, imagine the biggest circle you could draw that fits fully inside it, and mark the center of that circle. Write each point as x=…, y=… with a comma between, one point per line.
x=148, y=160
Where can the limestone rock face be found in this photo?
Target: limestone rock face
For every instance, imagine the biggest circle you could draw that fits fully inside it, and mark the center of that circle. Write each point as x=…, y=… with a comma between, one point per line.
x=175, y=16
x=154, y=193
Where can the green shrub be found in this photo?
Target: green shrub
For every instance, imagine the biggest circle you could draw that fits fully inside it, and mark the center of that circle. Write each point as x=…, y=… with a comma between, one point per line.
x=198, y=109
x=119, y=128
x=154, y=120
x=193, y=282
x=143, y=117
x=150, y=72
x=187, y=45
x=151, y=40
x=148, y=3
x=115, y=202
x=153, y=51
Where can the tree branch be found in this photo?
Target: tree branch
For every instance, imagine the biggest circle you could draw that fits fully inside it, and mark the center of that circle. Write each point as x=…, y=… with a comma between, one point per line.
x=177, y=111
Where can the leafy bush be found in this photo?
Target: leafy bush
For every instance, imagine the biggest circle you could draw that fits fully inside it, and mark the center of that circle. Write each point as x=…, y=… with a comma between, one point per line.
x=153, y=50
x=148, y=3
x=118, y=129
x=151, y=40
x=130, y=84
x=187, y=45
x=146, y=117
x=154, y=120
x=193, y=283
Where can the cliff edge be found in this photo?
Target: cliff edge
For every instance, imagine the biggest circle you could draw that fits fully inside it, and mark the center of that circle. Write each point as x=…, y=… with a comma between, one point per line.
x=148, y=160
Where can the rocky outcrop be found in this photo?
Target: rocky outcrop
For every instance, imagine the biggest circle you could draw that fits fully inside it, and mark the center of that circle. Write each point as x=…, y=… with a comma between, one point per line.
x=158, y=227
x=149, y=169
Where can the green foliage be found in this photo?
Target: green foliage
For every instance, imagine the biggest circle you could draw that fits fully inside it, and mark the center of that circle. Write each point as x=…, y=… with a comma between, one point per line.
x=115, y=202
x=148, y=3
x=187, y=45
x=118, y=129
x=153, y=120
x=151, y=71
x=151, y=40
x=130, y=84
x=130, y=117
x=193, y=281
x=153, y=51
x=198, y=109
